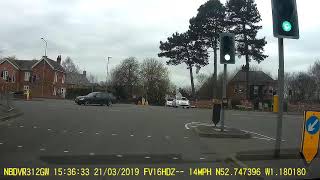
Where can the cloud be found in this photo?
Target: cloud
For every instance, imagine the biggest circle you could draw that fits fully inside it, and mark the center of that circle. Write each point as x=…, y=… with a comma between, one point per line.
x=90, y=31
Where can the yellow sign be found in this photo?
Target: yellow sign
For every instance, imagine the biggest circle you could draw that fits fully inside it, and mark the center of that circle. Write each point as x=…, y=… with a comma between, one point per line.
x=310, y=135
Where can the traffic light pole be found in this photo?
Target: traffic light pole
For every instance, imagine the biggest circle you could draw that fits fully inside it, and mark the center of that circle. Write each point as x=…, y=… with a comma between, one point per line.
x=224, y=89
x=280, y=93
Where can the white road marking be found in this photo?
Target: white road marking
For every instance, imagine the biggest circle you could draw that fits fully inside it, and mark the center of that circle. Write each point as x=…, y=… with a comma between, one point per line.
x=119, y=156
x=91, y=154
x=42, y=149
x=114, y=134
x=149, y=136
x=49, y=129
x=97, y=133
x=181, y=171
x=19, y=146
x=80, y=132
x=202, y=158
x=195, y=124
x=267, y=137
x=185, y=137
x=175, y=158
x=255, y=137
x=147, y=157
x=21, y=126
x=66, y=151
x=35, y=127
x=131, y=135
x=1, y=143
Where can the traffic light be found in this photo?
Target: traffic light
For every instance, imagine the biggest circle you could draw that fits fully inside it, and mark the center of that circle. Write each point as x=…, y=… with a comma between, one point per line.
x=227, y=48
x=285, y=19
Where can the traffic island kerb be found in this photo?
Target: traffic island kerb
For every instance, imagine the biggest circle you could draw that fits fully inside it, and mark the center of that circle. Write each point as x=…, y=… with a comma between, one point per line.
x=215, y=132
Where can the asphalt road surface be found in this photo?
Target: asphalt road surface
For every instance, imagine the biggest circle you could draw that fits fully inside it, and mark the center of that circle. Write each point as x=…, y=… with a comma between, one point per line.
x=61, y=134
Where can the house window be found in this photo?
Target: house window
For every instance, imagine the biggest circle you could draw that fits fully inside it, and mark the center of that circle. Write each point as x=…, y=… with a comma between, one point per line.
x=13, y=79
x=63, y=79
x=55, y=77
x=25, y=87
x=26, y=76
x=255, y=89
x=5, y=75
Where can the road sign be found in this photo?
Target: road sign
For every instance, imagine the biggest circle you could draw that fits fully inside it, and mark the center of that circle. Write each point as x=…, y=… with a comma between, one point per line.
x=310, y=135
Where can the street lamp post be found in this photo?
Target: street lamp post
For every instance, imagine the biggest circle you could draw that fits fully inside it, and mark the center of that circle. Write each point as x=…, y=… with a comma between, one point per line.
x=44, y=63
x=109, y=57
x=45, y=49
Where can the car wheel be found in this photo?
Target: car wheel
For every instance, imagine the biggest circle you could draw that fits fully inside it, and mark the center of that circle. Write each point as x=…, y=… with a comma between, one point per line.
x=86, y=103
x=108, y=103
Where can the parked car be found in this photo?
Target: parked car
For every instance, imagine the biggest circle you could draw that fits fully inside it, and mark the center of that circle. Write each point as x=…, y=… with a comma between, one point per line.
x=169, y=102
x=100, y=98
x=181, y=102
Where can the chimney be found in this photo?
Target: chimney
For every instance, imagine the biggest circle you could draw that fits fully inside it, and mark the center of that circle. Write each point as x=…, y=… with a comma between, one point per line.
x=85, y=73
x=59, y=59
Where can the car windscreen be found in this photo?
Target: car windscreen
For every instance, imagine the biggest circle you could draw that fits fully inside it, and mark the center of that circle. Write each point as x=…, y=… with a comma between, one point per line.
x=91, y=94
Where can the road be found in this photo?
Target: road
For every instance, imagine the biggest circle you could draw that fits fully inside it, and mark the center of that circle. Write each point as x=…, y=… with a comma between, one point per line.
x=59, y=133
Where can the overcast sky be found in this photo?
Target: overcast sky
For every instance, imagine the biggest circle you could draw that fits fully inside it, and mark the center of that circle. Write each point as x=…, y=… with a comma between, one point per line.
x=91, y=30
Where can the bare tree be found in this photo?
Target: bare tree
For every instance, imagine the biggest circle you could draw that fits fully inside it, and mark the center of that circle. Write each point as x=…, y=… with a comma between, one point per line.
x=315, y=73
x=201, y=79
x=92, y=78
x=125, y=77
x=155, y=80
x=70, y=66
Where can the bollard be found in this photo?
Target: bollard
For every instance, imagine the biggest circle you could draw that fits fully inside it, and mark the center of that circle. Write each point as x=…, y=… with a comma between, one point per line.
x=275, y=103
x=28, y=95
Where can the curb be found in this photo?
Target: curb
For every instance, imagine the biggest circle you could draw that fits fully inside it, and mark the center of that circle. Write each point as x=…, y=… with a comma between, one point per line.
x=222, y=135
x=6, y=118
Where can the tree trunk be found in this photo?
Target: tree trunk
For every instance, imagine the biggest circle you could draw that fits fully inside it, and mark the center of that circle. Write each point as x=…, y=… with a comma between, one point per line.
x=215, y=74
x=192, y=83
x=247, y=63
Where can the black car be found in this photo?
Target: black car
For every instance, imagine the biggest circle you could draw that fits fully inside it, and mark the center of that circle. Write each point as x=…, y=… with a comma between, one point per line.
x=100, y=98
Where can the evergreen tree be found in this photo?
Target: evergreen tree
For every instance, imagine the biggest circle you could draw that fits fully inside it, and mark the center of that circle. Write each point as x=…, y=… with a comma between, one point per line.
x=243, y=18
x=185, y=48
x=207, y=26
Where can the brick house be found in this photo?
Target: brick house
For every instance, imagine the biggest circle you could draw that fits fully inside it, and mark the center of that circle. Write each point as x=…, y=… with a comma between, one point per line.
x=262, y=86
x=44, y=77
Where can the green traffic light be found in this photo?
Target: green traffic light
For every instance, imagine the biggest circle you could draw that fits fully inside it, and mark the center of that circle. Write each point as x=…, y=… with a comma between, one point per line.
x=286, y=26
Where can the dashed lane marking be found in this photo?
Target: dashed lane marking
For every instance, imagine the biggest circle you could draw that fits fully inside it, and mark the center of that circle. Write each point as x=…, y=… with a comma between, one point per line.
x=119, y=156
